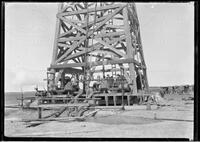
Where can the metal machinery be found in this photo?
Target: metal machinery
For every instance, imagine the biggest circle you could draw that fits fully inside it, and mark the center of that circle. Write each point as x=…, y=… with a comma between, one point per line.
x=92, y=41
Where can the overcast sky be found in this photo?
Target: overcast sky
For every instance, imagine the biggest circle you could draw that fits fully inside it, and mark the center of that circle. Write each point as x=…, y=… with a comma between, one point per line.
x=167, y=32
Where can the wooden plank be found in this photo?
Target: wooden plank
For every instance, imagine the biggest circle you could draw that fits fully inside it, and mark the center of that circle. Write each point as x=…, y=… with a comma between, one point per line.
x=74, y=25
x=106, y=99
x=53, y=100
x=128, y=99
x=79, y=5
x=63, y=45
x=142, y=56
x=84, y=25
x=130, y=51
x=95, y=22
x=67, y=65
x=114, y=100
x=50, y=119
x=74, y=46
x=120, y=94
x=116, y=40
x=91, y=48
x=61, y=105
x=69, y=99
x=108, y=18
x=39, y=112
x=64, y=39
x=90, y=10
x=112, y=48
x=115, y=26
x=110, y=34
x=105, y=52
x=100, y=57
x=57, y=32
x=132, y=13
x=66, y=7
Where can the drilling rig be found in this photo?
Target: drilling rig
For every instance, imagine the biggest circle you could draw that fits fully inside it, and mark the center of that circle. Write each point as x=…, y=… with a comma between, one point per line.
x=97, y=43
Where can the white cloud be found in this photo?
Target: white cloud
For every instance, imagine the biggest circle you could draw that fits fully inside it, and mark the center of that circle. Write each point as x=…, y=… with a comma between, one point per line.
x=25, y=79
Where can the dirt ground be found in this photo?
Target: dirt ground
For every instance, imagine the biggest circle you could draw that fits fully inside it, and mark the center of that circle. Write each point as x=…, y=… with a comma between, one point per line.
x=174, y=120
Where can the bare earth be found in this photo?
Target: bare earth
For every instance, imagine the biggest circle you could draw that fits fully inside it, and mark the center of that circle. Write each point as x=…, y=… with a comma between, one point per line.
x=172, y=121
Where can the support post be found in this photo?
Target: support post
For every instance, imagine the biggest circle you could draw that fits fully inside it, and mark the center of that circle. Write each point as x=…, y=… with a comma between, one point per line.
x=39, y=112
x=106, y=99
x=53, y=100
x=123, y=97
x=58, y=25
x=22, y=100
x=114, y=100
x=130, y=51
x=128, y=99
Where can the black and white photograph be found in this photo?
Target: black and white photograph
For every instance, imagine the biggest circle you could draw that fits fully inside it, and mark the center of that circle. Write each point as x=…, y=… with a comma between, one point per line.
x=99, y=69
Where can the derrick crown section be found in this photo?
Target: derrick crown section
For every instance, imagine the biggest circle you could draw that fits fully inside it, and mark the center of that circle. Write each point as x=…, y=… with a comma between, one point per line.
x=99, y=38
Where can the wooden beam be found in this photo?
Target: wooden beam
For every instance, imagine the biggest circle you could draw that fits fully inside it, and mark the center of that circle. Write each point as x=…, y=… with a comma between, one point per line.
x=75, y=21
x=39, y=112
x=96, y=47
x=90, y=10
x=80, y=6
x=64, y=45
x=115, y=26
x=105, y=52
x=112, y=48
x=110, y=34
x=114, y=100
x=128, y=99
x=106, y=99
x=130, y=51
x=100, y=57
x=108, y=18
x=66, y=7
x=84, y=25
x=71, y=23
x=68, y=70
x=97, y=21
x=102, y=35
x=64, y=39
x=57, y=32
x=108, y=70
x=116, y=40
x=69, y=65
x=74, y=46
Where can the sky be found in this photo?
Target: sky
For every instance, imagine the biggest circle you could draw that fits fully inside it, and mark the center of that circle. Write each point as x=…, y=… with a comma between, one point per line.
x=167, y=33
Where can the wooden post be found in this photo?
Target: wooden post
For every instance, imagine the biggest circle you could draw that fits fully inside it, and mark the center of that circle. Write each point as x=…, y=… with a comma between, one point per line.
x=39, y=112
x=57, y=32
x=53, y=101
x=148, y=106
x=128, y=99
x=123, y=97
x=106, y=99
x=114, y=99
x=22, y=101
x=130, y=51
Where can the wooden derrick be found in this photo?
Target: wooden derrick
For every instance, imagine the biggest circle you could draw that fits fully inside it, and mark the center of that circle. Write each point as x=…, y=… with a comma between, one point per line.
x=85, y=29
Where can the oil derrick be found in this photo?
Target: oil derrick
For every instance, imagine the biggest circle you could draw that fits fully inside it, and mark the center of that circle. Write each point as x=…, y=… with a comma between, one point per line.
x=98, y=35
